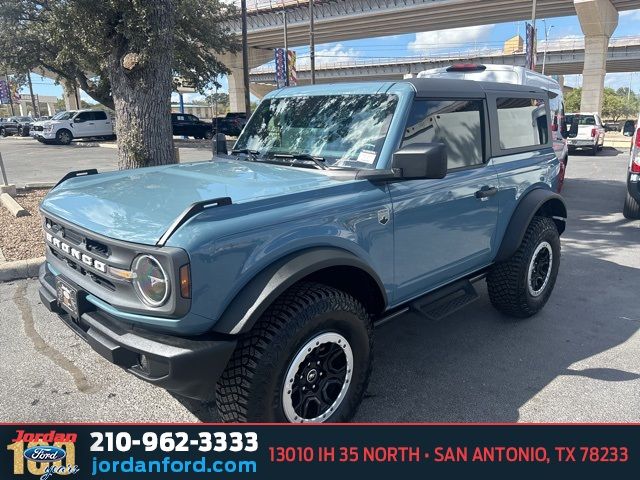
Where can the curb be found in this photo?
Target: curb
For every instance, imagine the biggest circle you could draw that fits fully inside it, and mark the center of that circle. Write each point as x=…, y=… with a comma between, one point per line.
x=39, y=185
x=13, y=206
x=20, y=269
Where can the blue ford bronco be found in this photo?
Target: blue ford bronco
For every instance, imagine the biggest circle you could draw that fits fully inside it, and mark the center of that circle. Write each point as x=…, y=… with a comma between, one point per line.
x=256, y=278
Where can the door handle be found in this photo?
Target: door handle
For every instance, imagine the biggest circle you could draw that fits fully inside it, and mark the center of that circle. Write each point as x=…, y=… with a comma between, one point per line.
x=485, y=192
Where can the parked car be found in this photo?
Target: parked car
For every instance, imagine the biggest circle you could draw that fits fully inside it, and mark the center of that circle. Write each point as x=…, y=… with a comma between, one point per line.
x=586, y=132
x=612, y=127
x=232, y=123
x=631, y=207
x=73, y=124
x=517, y=76
x=15, y=126
x=191, y=126
x=629, y=128
x=260, y=275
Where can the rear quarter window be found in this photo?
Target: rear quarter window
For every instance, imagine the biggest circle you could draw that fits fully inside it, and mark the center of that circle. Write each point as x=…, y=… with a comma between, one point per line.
x=522, y=122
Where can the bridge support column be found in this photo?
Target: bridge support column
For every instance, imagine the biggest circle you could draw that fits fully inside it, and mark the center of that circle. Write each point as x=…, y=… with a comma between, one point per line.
x=260, y=90
x=236, y=90
x=71, y=98
x=598, y=20
x=236, y=78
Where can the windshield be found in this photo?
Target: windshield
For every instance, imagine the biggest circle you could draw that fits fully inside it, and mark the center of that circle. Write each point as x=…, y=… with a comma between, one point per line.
x=24, y=119
x=63, y=115
x=343, y=130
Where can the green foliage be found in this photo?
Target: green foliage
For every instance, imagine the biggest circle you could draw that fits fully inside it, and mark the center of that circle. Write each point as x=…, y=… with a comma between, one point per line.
x=572, y=100
x=617, y=104
x=75, y=39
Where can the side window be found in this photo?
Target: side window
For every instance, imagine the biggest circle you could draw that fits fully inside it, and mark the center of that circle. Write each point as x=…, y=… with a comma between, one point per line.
x=83, y=117
x=522, y=122
x=100, y=115
x=456, y=123
x=192, y=118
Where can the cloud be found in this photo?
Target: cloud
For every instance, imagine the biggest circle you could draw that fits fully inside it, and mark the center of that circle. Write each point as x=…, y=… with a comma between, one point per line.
x=631, y=14
x=329, y=55
x=450, y=39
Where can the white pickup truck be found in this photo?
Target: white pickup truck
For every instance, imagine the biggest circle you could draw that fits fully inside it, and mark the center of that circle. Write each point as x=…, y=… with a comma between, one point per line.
x=585, y=132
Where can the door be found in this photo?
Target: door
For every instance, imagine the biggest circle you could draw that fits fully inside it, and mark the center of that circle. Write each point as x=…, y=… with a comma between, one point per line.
x=102, y=123
x=179, y=124
x=83, y=125
x=445, y=228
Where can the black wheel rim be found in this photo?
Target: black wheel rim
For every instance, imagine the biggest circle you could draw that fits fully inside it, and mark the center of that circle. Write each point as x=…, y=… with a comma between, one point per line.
x=318, y=378
x=540, y=269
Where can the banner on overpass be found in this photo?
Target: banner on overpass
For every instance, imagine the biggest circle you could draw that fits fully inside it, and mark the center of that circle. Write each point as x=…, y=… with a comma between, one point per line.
x=4, y=93
x=530, y=57
x=291, y=69
x=281, y=67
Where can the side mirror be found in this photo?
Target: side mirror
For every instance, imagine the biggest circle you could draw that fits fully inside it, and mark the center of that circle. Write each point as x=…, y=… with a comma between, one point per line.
x=421, y=160
x=221, y=144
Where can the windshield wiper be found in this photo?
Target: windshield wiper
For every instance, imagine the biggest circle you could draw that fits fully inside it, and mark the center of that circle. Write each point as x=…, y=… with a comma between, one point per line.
x=251, y=154
x=319, y=161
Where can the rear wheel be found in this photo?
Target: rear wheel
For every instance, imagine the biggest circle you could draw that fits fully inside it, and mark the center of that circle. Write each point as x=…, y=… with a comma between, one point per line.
x=64, y=137
x=208, y=135
x=308, y=359
x=521, y=286
x=631, y=209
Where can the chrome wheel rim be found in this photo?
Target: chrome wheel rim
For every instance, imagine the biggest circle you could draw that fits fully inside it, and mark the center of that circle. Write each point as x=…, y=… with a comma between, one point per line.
x=317, y=379
x=540, y=269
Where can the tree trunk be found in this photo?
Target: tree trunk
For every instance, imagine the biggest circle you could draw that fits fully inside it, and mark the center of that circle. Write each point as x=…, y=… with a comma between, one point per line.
x=141, y=88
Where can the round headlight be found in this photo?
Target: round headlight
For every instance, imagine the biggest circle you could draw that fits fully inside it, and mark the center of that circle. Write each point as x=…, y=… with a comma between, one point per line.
x=150, y=281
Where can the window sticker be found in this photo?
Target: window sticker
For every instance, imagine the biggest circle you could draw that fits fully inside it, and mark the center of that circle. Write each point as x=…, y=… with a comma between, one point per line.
x=367, y=156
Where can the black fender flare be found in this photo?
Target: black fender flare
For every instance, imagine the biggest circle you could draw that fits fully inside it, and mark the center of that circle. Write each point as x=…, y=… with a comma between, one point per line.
x=539, y=199
x=263, y=289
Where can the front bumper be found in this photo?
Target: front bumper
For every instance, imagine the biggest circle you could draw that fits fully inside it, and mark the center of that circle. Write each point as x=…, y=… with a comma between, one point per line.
x=182, y=365
x=49, y=135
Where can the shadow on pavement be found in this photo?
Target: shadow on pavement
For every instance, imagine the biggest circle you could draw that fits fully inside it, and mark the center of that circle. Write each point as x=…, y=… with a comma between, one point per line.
x=479, y=366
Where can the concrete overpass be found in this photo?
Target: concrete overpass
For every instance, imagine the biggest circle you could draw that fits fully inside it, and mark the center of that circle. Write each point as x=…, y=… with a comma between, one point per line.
x=563, y=58
x=342, y=20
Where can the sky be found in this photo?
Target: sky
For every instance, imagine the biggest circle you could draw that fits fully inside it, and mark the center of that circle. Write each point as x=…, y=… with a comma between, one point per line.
x=448, y=41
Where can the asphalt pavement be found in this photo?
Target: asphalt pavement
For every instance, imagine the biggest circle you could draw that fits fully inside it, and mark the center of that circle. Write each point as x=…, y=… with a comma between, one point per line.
x=28, y=161
x=575, y=361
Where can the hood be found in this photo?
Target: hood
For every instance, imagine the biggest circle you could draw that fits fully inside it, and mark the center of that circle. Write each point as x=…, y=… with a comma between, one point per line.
x=139, y=205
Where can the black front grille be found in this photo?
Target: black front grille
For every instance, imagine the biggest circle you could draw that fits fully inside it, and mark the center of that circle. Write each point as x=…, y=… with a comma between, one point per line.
x=37, y=128
x=97, y=247
x=77, y=266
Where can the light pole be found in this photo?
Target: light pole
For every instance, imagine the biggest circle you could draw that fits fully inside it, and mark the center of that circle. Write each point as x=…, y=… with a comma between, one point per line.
x=286, y=45
x=546, y=43
x=245, y=58
x=312, y=45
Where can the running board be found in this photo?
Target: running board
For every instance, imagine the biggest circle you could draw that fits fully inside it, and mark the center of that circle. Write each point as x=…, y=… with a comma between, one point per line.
x=438, y=304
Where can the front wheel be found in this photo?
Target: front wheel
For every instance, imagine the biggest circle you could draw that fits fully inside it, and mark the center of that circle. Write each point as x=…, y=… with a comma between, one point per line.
x=521, y=286
x=64, y=137
x=3, y=132
x=208, y=135
x=307, y=360
x=631, y=209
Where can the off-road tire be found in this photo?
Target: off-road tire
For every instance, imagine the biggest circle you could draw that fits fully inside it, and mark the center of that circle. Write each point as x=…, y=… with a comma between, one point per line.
x=507, y=281
x=631, y=209
x=251, y=387
x=3, y=132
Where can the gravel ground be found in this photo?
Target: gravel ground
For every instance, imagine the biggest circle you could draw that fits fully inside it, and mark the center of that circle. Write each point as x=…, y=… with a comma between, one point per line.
x=21, y=238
